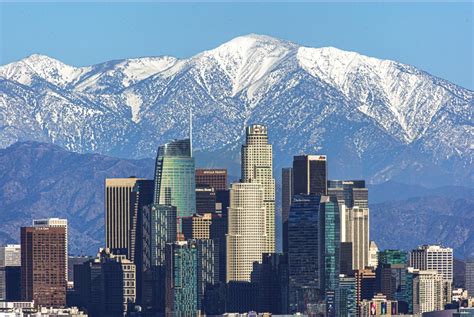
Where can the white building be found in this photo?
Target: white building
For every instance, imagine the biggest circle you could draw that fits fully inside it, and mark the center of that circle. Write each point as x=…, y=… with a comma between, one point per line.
x=257, y=167
x=357, y=232
x=435, y=257
x=246, y=238
x=373, y=255
x=427, y=291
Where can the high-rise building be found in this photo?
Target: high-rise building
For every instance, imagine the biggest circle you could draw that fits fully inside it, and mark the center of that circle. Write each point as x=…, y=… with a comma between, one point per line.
x=391, y=278
x=365, y=286
x=246, y=240
x=347, y=296
x=345, y=258
x=10, y=262
x=427, y=291
x=310, y=174
x=357, y=232
x=197, y=226
x=286, y=195
x=106, y=285
x=119, y=214
x=373, y=255
x=175, y=180
x=304, y=253
x=205, y=199
x=182, y=279
x=257, y=167
x=330, y=243
x=208, y=266
x=43, y=265
x=435, y=257
x=215, y=178
x=351, y=193
x=470, y=277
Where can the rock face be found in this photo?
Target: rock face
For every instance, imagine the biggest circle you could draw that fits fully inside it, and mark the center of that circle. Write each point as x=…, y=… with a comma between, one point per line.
x=40, y=180
x=375, y=119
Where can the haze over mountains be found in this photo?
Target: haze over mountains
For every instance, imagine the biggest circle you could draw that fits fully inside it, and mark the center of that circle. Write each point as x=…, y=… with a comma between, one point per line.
x=376, y=119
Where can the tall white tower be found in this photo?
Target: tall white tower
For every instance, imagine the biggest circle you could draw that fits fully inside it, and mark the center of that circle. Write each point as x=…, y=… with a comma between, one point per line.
x=246, y=238
x=257, y=167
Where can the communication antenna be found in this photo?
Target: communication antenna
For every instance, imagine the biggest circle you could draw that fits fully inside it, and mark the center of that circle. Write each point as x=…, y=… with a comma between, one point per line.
x=191, y=131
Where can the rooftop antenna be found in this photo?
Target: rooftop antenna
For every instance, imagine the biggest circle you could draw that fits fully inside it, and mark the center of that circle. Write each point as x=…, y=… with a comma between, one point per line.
x=191, y=131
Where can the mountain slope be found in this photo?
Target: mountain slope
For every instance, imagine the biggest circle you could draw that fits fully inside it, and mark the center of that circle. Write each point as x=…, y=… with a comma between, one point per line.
x=39, y=180
x=375, y=119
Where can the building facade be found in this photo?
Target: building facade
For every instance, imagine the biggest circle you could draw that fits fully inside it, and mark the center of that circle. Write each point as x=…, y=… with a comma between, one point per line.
x=10, y=261
x=286, y=196
x=175, y=180
x=43, y=265
x=257, y=167
x=304, y=261
x=246, y=238
x=215, y=178
x=427, y=291
x=310, y=174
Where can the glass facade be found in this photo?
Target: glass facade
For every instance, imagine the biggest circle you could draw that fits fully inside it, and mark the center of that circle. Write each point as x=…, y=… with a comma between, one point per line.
x=330, y=236
x=175, y=181
x=351, y=193
x=182, y=279
x=162, y=231
x=347, y=296
x=303, y=253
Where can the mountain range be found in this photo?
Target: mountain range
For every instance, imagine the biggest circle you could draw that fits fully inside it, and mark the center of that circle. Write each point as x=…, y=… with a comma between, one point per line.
x=375, y=119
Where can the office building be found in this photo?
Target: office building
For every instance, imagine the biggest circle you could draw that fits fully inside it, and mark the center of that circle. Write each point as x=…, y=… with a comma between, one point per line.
x=310, y=174
x=175, y=180
x=106, y=284
x=182, y=279
x=246, y=238
x=10, y=262
x=257, y=167
x=215, y=178
x=242, y=297
x=352, y=193
x=208, y=267
x=469, y=283
x=427, y=291
x=373, y=255
x=391, y=275
x=304, y=253
x=205, y=199
x=357, y=232
x=365, y=286
x=347, y=296
x=329, y=230
x=345, y=258
x=43, y=265
x=435, y=257
x=286, y=195
x=379, y=306
x=197, y=226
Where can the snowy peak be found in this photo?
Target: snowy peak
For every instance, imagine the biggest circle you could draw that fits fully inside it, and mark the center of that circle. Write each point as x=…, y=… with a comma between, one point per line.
x=244, y=60
x=44, y=67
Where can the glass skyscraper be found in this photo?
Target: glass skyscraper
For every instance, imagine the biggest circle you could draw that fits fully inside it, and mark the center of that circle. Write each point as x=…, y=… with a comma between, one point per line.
x=330, y=238
x=175, y=180
x=304, y=254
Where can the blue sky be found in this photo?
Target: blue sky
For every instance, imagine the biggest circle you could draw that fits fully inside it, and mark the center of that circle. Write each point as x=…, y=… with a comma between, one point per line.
x=436, y=37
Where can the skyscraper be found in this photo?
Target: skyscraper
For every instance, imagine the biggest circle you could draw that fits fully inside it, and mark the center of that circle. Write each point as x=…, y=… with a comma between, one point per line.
x=175, y=180
x=286, y=195
x=373, y=255
x=182, y=279
x=310, y=174
x=215, y=178
x=357, y=232
x=43, y=265
x=246, y=240
x=330, y=243
x=304, y=253
x=257, y=167
x=391, y=276
x=435, y=257
x=205, y=199
x=10, y=262
x=349, y=192
x=427, y=291
x=208, y=266
x=365, y=286
x=470, y=277
x=119, y=214
x=347, y=296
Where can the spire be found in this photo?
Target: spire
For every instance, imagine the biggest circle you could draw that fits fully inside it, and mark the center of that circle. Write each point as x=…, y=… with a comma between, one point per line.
x=191, y=131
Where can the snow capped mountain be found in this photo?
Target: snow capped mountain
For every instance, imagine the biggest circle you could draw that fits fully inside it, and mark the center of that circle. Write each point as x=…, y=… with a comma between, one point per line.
x=377, y=119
